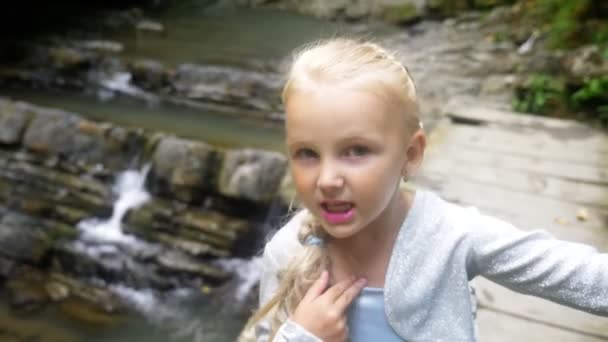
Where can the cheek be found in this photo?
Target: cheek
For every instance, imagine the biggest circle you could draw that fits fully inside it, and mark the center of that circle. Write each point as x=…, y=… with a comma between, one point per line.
x=378, y=183
x=302, y=180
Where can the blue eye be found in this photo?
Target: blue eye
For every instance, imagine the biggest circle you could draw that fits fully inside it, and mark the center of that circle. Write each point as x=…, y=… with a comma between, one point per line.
x=357, y=151
x=304, y=153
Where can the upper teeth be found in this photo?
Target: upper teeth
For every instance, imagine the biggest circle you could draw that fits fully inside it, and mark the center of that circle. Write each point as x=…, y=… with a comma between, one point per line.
x=338, y=207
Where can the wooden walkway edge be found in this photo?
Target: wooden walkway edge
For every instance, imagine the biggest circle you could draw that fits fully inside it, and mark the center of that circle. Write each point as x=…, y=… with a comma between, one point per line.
x=537, y=173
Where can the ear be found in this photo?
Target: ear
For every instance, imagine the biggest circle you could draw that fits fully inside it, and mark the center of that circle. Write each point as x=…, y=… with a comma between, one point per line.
x=415, y=154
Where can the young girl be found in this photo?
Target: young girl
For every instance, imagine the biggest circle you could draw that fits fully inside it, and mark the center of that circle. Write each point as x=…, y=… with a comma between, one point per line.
x=366, y=261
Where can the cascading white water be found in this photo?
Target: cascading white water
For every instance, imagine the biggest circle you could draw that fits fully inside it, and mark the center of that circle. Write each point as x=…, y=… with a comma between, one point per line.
x=105, y=238
x=248, y=272
x=131, y=194
x=120, y=82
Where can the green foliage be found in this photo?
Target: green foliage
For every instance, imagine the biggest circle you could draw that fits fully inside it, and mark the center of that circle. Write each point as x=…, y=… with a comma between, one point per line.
x=549, y=95
x=455, y=7
x=594, y=89
x=593, y=97
x=401, y=13
x=570, y=23
x=541, y=94
x=566, y=24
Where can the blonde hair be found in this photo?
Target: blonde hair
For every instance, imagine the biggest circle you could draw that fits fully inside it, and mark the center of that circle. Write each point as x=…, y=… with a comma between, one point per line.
x=355, y=65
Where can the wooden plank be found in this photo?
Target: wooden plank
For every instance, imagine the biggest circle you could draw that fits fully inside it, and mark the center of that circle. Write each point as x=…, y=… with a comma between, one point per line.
x=496, y=327
x=530, y=143
x=526, y=211
x=451, y=156
x=495, y=297
x=537, y=174
x=472, y=110
x=570, y=191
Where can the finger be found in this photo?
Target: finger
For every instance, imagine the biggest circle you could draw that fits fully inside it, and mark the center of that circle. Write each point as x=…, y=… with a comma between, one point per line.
x=318, y=287
x=349, y=295
x=337, y=289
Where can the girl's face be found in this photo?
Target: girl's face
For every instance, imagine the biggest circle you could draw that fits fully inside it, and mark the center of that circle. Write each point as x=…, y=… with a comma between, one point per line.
x=347, y=152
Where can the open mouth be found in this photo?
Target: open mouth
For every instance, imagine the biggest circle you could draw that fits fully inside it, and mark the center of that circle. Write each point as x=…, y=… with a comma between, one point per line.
x=337, y=208
x=337, y=213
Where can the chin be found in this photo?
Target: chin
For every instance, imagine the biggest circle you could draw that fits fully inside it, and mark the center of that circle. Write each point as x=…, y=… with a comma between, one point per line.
x=340, y=232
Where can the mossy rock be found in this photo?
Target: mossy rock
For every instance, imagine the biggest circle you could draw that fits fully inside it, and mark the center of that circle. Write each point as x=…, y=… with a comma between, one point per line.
x=402, y=14
x=86, y=312
x=450, y=7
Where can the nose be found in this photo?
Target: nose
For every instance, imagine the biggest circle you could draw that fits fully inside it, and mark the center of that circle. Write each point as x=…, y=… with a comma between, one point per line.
x=330, y=179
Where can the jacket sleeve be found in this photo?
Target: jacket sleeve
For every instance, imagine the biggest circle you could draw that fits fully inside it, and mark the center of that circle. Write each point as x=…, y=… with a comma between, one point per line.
x=536, y=263
x=288, y=331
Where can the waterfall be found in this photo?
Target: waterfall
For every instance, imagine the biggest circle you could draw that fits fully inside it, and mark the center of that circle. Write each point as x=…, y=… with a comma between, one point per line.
x=120, y=82
x=176, y=313
x=247, y=272
x=131, y=194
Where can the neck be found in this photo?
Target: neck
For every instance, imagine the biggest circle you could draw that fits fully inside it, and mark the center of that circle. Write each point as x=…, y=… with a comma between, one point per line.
x=373, y=245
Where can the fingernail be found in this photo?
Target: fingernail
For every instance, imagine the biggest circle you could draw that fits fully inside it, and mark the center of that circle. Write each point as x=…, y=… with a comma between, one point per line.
x=361, y=282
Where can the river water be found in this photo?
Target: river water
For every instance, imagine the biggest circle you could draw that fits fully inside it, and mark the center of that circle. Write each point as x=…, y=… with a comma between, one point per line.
x=444, y=60
x=194, y=33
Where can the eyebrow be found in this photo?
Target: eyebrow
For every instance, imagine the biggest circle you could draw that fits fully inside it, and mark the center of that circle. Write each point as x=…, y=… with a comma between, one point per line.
x=342, y=140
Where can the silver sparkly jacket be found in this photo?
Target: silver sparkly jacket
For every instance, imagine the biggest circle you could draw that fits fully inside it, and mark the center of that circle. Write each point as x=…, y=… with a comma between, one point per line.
x=439, y=249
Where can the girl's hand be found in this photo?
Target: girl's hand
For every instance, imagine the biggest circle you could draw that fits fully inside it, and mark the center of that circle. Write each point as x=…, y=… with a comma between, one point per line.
x=322, y=312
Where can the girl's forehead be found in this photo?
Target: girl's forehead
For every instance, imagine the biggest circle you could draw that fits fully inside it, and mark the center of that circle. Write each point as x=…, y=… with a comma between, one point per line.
x=339, y=112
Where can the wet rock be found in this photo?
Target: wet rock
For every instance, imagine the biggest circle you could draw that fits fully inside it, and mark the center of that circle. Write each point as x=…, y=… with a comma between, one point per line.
x=183, y=167
x=323, y=9
x=251, y=174
x=69, y=58
x=123, y=19
x=21, y=238
x=55, y=187
x=104, y=262
x=80, y=141
x=101, y=45
x=26, y=291
x=57, y=291
x=177, y=261
x=210, y=232
x=7, y=266
x=585, y=62
x=52, y=131
x=192, y=247
x=403, y=13
x=16, y=329
x=545, y=61
x=393, y=11
x=149, y=74
x=146, y=218
x=149, y=26
x=112, y=263
x=13, y=120
x=214, y=224
x=498, y=84
x=191, y=230
x=248, y=89
x=86, y=312
x=100, y=297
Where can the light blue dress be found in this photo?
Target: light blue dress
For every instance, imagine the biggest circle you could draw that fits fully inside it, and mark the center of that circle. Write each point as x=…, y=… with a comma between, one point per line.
x=367, y=320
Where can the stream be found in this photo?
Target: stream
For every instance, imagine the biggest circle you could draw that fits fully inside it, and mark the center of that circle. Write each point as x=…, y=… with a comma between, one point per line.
x=224, y=35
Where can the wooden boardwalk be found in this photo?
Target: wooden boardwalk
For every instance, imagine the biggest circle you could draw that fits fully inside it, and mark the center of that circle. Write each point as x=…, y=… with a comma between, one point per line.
x=535, y=173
